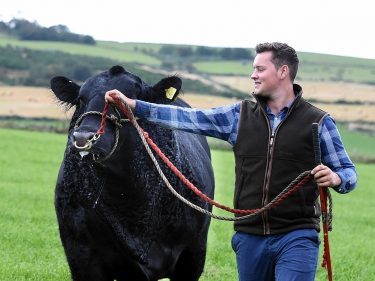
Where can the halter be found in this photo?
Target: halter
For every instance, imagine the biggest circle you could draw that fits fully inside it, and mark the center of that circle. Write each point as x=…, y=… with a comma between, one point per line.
x=89, y=143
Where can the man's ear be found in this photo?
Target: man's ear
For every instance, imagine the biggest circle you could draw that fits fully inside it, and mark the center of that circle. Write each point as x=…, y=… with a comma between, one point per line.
x=65, y=90
x=166, y=90
x=284, y=71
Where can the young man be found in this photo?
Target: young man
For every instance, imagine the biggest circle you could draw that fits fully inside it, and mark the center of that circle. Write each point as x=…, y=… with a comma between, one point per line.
x=272, y=144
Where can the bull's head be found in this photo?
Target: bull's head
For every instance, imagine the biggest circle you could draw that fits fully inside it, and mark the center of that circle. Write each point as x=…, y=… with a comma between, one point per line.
x=88, y=101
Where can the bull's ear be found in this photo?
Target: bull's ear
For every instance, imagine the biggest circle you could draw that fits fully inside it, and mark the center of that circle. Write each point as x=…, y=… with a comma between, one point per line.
x=65, y=90
x=167, y=89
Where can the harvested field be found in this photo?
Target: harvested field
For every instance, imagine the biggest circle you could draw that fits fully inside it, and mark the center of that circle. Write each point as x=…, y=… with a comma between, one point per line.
x=40, y=102
x=325, y=91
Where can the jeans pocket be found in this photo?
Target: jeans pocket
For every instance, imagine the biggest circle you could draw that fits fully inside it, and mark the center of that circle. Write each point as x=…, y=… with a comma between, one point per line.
x=235, y=241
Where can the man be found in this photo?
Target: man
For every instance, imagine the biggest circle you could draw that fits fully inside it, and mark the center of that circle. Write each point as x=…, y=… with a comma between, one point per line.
x=272, y=143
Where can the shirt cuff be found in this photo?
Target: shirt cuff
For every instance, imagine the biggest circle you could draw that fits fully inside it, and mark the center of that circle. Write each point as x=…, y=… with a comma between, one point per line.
x=346, y=185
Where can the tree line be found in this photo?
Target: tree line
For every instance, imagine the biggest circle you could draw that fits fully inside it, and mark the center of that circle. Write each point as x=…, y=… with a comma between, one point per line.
x=26, y=30
x=203, y=52
x=22, y=66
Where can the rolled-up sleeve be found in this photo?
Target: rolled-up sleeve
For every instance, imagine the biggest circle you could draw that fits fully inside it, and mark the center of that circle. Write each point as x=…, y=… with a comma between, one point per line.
x=335, y=156
x=220, y=122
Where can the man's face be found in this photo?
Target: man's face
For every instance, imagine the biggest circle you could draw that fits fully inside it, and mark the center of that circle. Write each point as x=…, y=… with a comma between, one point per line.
x=265, y=75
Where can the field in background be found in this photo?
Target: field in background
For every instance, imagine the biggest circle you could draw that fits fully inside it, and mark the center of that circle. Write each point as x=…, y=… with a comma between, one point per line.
x=313, y=67
x=111, y=50
x=325, y=91
x=31, y=249
x=40, y=102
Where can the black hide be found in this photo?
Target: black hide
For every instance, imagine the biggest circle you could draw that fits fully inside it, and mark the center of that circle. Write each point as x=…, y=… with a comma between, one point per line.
x=117, y=219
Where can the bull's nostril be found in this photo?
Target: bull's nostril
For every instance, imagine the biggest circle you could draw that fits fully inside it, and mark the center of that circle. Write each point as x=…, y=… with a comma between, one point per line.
x=81, y=138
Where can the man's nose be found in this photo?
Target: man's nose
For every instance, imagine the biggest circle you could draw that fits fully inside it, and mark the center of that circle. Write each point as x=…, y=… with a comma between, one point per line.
x=253, y=75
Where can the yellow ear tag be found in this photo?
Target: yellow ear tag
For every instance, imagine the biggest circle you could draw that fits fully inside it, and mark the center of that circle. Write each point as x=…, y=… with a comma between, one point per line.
x=170, y=92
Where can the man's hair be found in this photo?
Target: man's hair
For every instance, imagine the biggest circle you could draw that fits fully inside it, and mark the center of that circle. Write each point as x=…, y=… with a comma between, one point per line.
x=282, y=54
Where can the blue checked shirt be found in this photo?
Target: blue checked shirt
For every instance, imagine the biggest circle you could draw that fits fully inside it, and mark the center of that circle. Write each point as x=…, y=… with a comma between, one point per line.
x=222, y=123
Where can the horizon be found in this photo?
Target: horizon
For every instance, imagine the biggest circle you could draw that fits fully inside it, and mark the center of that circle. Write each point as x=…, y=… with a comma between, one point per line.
x=322, y=30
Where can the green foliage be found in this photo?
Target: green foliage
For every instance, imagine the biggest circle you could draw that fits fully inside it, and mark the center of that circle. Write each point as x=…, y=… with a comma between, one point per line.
x=313, y=67
x=204, y=60
x=108, y=50
x=9, y=58
x=41, y=66
x=26, y=30
x=176, y=57
x=30, y=249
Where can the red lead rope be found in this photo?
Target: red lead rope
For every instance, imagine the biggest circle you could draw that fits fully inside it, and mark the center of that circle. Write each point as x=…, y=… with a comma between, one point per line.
x=326, y=263
x=191, y=186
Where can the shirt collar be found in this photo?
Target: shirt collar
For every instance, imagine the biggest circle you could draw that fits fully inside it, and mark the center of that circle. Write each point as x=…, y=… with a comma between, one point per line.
x=297, y=92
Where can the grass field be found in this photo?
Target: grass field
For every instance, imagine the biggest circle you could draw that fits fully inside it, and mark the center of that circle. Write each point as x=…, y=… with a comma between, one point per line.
x=110, y=50
x=30, y=248
x=313, y=67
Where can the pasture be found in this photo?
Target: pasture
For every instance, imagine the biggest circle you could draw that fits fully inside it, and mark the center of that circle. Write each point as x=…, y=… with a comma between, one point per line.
x=313, y=67
x=30, y=248
x=111, y=50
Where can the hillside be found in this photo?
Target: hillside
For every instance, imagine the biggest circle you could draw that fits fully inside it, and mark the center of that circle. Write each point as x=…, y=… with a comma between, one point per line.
x=344, y=86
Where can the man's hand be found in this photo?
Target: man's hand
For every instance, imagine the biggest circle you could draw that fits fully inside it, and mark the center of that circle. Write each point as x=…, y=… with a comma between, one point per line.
x=121, y=96
x=325, y=177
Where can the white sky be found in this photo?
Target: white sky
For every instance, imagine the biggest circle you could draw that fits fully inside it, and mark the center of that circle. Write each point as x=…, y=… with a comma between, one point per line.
x=338, y=27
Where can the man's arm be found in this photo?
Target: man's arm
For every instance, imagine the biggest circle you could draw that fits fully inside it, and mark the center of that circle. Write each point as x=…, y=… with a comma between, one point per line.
x=220, y=122
x=337, y=170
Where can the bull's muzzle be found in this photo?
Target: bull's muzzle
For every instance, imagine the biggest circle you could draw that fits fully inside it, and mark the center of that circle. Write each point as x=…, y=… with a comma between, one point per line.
x=83, y=141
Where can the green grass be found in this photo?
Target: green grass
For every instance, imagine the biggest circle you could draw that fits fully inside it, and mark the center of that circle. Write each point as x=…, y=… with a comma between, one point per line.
x=225, y=67
x=316, y=67
x=30, y=248
x=358, y=145
x=110, y=50
x=313, y=66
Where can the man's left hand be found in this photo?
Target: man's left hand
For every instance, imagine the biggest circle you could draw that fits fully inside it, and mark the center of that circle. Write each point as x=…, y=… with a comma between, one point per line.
x=325, y=177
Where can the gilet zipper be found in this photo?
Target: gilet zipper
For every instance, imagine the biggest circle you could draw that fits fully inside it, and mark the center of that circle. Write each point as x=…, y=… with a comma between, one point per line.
x=268, y=172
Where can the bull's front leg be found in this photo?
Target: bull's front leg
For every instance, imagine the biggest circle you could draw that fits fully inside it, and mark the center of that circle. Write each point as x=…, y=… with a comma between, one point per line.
x=84, y=260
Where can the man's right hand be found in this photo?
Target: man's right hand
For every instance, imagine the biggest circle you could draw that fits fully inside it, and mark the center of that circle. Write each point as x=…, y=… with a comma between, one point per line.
x=121, y=96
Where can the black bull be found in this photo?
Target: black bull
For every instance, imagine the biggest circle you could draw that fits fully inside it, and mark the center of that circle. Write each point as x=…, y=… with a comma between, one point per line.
x=117, y=219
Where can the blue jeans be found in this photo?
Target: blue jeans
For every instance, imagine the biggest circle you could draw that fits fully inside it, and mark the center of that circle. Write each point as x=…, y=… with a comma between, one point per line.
x=291, y=256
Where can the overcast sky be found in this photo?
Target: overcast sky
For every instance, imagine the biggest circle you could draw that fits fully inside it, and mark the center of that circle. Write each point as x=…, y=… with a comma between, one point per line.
x=338, y=27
